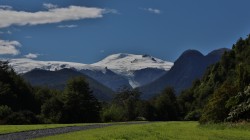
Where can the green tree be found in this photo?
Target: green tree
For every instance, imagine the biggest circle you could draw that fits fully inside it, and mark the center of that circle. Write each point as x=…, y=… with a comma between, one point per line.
x=126, y=106
x=240, y=109
x=79, y=103
x=5, y=111
x=166, y=105
x=216, y=110
x=51, y=110
x=14, y=91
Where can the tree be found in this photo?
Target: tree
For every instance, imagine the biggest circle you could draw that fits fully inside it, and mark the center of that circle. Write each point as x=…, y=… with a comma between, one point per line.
x=14, y=91
x=79, y=103
x=216, y=111
x=124, y=107
x=51, y=110
x=166, y=105
x=5, y=111
x=240, y=110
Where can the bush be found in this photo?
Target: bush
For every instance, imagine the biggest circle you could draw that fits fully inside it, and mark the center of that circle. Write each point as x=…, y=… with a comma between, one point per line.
x=4, y=112
x=193, y=116
x=21, y=118
x=113, y=113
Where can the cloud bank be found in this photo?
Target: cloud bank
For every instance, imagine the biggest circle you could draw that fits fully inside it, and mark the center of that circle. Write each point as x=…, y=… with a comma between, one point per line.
x=9, y=47
x=55, y=15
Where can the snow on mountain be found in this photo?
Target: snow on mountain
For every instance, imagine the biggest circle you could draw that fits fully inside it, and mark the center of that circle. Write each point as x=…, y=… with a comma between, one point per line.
x=122, y=64
x=126, y=64
x=24, y=65
x=119, y=63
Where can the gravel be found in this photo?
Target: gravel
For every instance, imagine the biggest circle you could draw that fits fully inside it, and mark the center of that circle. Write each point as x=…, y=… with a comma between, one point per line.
x=55, y=131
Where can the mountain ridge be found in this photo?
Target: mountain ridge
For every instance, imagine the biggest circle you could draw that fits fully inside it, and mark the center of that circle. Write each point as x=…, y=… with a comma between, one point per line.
x=58, y=80
x=122, y=68
x=189, y=66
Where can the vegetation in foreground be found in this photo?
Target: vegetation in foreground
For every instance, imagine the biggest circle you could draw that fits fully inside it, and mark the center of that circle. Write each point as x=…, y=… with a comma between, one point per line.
x=161, y=130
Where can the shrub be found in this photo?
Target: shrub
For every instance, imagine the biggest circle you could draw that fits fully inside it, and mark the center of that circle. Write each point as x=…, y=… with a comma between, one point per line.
x=22, y=117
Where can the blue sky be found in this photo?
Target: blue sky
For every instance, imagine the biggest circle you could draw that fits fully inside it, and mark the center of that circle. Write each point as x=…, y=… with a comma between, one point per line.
x=88, y=30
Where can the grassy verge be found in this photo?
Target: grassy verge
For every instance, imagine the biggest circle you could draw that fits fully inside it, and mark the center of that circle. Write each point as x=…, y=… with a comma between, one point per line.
x=18, y=128
x=158, y=131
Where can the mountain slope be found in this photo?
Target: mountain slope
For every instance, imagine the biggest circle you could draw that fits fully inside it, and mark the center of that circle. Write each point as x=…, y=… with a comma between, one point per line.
x=189, y=66
x=58, y=80
x=108, y=78
x=124, y=64
x=222, y=94
x=130, y=65
x=114, y=71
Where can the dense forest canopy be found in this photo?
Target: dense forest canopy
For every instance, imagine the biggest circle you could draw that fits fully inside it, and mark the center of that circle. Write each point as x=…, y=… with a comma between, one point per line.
x=223, y=92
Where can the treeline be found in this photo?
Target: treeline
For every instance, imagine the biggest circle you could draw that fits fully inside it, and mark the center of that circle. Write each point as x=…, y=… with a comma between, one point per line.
x=127, y=106
x=21, y=103
x=223, y=94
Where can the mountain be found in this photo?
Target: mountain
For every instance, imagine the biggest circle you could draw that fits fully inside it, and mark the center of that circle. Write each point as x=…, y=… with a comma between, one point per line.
x=58, y=80
x=189, y=66
x=114, y=71
x=223, y=92
x=107, y=78
x=129, y=65
x=147, y=75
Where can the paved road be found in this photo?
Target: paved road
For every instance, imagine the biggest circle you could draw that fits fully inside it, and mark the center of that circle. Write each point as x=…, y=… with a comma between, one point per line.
x=54, y=131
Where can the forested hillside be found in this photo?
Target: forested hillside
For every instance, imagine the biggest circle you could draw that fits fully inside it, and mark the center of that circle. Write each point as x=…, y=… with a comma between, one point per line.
x=191, y=65
x=223, y=92
x=21, y=103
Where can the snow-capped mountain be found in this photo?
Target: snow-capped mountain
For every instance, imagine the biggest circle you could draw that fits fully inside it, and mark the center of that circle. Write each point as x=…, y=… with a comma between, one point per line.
x=24, y=65
x=122, y=64
x=126, y=64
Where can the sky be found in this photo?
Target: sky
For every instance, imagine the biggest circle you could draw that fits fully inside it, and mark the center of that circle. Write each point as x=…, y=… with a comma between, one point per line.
x=86, y=31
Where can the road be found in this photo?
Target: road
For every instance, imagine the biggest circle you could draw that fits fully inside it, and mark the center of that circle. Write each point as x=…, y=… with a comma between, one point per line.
x=55, y=131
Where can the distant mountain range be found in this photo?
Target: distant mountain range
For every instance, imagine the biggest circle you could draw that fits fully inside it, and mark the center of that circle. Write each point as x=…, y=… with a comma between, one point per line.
x=114, y=71
x=148, y=73
x=189, y=66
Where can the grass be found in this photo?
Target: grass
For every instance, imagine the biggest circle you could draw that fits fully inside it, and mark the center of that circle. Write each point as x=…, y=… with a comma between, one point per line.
x=160, y=131
x=18, y=128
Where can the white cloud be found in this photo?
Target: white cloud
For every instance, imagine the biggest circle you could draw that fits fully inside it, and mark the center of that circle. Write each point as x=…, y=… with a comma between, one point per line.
x=67, y=26
x=5, y=7
x=49, y=6
x=10, y=17
x=9, y=47
x=31, y=55
x=152, y=10
x=102, y=51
